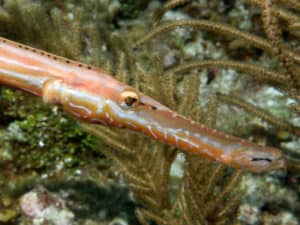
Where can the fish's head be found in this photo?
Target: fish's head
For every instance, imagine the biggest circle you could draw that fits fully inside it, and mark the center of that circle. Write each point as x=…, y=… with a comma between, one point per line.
x=133, y=110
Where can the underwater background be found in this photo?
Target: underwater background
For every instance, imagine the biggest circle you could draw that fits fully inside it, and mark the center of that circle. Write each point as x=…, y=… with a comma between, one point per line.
x=55, y=170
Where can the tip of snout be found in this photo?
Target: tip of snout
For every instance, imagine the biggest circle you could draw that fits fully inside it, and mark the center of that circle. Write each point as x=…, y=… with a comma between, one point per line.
x=278, y=164
x=282, y=164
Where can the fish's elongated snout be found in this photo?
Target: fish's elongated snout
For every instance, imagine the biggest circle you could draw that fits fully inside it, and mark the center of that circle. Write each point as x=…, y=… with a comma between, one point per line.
x=165, y=125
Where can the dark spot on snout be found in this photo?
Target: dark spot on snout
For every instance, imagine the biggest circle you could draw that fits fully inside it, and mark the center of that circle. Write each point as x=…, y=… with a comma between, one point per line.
x=152, y=106
x=261, y=159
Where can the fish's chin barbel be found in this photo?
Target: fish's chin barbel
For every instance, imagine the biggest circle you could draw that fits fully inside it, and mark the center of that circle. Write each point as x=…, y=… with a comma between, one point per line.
x=92, y=95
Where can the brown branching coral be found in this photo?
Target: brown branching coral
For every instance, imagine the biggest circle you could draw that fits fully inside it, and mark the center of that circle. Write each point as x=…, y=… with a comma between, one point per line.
x=224, y=29
x=75, y=36
x=259, y=112
x=169, y=5
x=258, y=73
x=219, y=208
x=284, y=14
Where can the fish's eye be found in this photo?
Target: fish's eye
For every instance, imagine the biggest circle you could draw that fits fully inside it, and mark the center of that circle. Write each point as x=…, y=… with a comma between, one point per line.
x=129, y=99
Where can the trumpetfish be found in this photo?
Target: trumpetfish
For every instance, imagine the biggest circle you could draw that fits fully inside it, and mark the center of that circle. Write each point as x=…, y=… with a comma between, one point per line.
x=91, y=95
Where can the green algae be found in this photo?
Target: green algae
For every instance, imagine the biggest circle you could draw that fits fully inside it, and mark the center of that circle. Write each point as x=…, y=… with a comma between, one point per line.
x=46, y=137
x=35, y=136
x=7, y=215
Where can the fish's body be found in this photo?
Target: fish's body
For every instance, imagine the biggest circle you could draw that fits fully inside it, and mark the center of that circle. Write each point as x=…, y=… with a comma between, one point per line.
x=91, y=95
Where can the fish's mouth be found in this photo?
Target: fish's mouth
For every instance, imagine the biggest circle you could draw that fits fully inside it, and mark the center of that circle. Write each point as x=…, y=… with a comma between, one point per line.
x=272, y=164
x=281, y=164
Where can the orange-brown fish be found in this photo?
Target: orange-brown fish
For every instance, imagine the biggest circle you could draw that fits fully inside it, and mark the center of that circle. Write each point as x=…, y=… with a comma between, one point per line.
x=91, y=95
